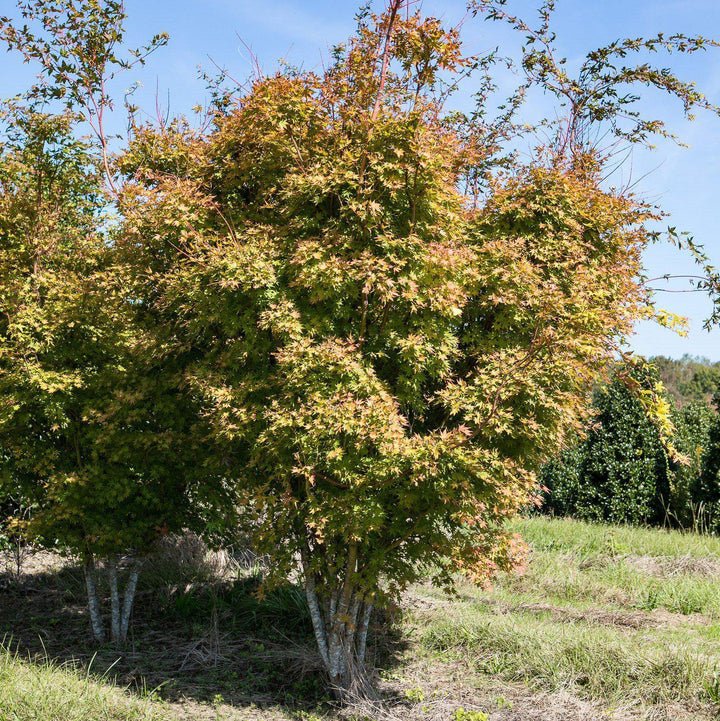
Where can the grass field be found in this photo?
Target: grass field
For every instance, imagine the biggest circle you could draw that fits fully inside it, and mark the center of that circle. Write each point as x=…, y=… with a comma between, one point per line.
x=605, y=623
x=44, y=692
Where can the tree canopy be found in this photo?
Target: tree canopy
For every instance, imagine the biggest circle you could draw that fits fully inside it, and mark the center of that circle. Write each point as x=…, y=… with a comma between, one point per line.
x=384, y=361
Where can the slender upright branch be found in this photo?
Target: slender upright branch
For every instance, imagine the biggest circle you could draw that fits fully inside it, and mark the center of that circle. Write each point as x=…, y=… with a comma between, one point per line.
x=363, y=631
x=392, y=13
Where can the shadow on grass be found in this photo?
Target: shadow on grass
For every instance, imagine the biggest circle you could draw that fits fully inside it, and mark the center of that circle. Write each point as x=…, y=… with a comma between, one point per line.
x=204, y=643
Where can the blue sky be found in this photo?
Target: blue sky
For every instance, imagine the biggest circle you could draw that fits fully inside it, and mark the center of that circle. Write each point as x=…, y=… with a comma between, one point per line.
x=685, y=182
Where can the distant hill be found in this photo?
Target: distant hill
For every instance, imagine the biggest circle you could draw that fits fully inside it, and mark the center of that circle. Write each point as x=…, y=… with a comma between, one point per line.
x=688, y=379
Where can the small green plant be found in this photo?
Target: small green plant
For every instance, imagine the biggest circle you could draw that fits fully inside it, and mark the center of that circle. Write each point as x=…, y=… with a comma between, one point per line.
x=306, y=716
x=462, y=715
x=415, y=694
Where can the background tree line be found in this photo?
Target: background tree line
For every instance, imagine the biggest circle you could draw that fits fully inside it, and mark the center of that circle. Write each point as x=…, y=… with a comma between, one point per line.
x=625, y=470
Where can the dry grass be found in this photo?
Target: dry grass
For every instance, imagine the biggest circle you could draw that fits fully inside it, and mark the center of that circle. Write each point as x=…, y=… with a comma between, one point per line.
x=672, y=566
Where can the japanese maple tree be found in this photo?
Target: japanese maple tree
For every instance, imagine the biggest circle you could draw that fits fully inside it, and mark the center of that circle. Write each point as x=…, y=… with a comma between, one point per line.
x=388, y=321
x=95, y=435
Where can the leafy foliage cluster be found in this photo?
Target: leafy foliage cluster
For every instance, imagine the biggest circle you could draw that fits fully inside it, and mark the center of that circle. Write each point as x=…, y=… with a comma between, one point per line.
x=620, y=473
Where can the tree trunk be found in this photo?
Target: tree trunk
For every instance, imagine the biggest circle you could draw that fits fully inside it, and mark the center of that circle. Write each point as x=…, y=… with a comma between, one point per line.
x=114, y=602
x=340, y=622
x=96, y=621
x=347, y=649
x=318, y=622
x=363, y=631
x=120, y=607
x=129, y=598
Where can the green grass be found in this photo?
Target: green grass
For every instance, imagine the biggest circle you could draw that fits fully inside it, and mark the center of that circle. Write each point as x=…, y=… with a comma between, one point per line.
x=612, y=614
x=45, y=692
x=618, y=567
x=601, y=663
x=597, y=539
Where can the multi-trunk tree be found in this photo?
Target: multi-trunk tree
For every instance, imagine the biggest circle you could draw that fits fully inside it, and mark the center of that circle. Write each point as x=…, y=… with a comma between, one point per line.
x=388, y=323
x=96, y=438
x=98, y=441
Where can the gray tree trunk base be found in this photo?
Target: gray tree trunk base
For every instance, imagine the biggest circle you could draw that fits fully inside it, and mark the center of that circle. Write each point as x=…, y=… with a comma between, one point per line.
x=120, y=610
x=114, y=602
x=342, y=644
x=129, y=598
x=96, y=621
